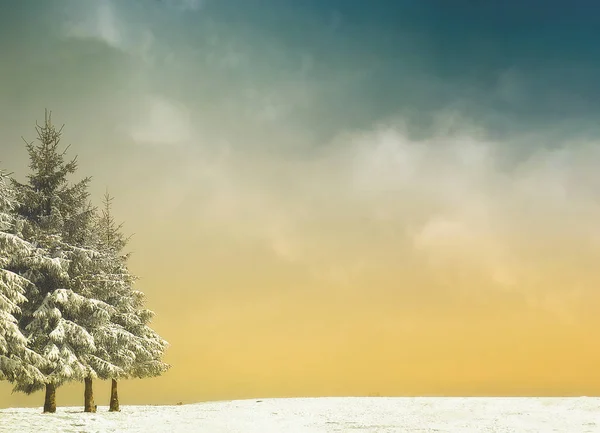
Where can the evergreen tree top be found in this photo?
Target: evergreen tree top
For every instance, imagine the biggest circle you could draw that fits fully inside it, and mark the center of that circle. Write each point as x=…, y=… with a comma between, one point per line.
x=49, y=170
x=111, y=235
x=48, y=200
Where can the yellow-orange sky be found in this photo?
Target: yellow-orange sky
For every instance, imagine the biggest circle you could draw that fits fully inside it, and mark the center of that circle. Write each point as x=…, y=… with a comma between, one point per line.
x=308, y=225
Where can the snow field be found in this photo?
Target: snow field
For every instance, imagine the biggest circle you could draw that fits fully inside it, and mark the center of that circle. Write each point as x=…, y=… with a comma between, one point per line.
x=325, y=415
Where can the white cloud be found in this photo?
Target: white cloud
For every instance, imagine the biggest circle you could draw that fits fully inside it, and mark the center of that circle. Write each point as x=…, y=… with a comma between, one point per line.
x=104, y=21
x=99, y=22
x=453, y=199
x=162, y=123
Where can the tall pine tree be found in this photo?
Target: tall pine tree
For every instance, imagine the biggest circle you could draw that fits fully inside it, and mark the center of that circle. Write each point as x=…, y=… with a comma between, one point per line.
x=60, y=313
x=129, y=342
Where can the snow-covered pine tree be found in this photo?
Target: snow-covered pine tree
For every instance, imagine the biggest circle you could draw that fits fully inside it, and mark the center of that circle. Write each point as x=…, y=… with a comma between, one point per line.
x=129, y=343
x=17, y=361
x=88, y=276
x=59, y=314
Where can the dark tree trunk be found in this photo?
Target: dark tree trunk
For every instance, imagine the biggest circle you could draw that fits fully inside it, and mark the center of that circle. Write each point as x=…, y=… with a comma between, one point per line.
x=89, y=405
x=114, y=398
x=50, y=400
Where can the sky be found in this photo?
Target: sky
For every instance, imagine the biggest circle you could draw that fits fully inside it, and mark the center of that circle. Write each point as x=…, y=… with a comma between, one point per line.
x=333, y=197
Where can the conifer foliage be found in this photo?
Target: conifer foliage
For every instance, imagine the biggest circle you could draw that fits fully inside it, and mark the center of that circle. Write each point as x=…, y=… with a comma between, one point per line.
x=129, y=342
x=68, y=310
x=17, y=361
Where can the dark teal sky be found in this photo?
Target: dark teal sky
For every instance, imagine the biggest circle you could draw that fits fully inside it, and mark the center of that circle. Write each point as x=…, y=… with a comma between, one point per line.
x=510, y=64
x=458, y=52
x=527, y=62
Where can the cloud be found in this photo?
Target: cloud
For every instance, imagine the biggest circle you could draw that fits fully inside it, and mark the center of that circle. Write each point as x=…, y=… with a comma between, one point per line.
x=98, y=21
x=474, y=213
x=106, y=21
x=470, y=211
x=161, y=123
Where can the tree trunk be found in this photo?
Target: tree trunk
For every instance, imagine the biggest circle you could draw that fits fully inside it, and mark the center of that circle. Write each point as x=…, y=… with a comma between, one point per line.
x=89, y=405
x=114, y=398
x=50, y=400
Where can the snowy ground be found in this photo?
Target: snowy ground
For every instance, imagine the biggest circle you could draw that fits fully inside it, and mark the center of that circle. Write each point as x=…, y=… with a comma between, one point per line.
x=354, y=415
